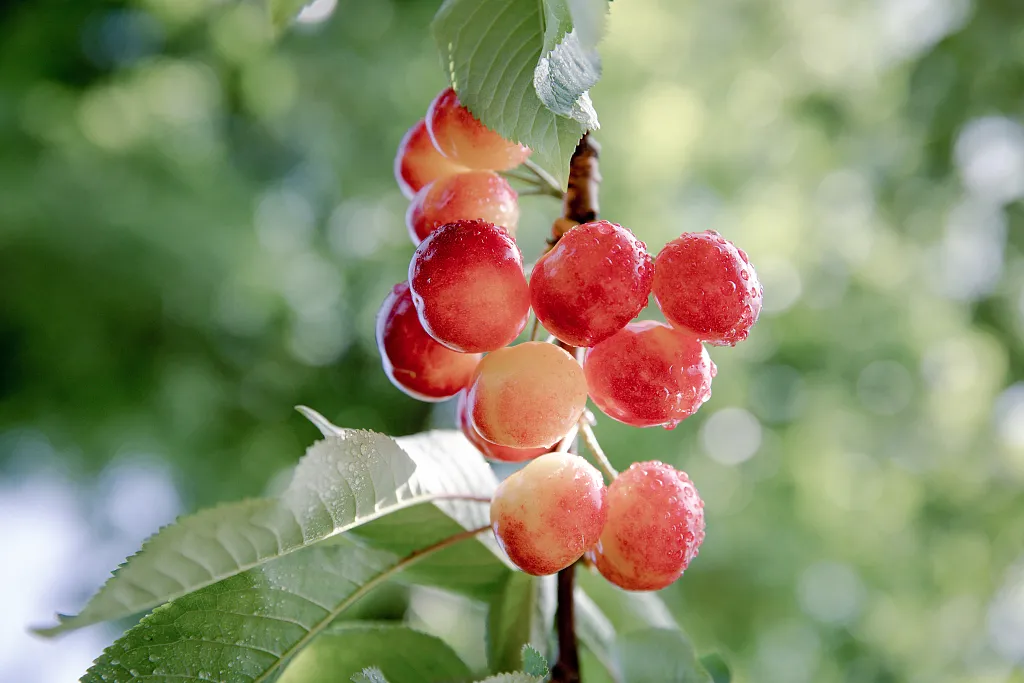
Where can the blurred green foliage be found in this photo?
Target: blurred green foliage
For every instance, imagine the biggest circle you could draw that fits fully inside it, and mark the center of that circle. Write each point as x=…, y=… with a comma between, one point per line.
x=197, y=224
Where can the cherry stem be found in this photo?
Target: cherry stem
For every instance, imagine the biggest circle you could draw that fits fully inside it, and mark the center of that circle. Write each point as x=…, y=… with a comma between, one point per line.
x=536, y=328
x=590, y=439
x=567, y=441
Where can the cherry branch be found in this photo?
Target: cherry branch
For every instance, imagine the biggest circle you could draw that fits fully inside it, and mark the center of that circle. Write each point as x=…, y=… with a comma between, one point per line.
x=579, y=206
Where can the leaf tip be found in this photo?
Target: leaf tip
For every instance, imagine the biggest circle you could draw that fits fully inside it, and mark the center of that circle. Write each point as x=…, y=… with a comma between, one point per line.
x=51, y=631
x=326, y=427
x=534, y=663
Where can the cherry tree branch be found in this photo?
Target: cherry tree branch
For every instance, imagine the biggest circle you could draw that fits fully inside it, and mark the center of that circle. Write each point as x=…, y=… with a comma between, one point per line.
x=567, y=668
x=579, y=206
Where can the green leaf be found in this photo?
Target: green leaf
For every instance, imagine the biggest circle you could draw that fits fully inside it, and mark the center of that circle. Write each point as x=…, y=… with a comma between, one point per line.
x=514, y=677
x=589, y=19
x=534, y=662
x=446, y=463
x=401, y=654
x=593, y=670
x=344, y=481
x=370, y=674
x=472, y=568
x=520, y=614
x=491, y=51
x=247, y=625
x=717, y=667
x=658, y=655
x=626, y=611
x=566, y=69
x=596, y=632
x=283, y=12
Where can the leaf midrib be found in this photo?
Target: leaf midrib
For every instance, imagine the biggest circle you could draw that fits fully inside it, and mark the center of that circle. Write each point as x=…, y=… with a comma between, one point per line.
x=362, y=590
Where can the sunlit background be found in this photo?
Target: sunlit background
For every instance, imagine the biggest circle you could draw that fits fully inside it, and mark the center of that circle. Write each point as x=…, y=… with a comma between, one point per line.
x=197, y=224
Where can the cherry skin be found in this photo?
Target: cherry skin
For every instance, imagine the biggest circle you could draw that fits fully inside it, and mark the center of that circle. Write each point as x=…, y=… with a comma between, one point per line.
x=483, y=195
x=527, y=396
x=654, y=530
x=464, y=140
x=412, y=360
x=649, y=374
x=468, y=286
x=704, y=284
x=593, y=281
x=547, y=514
x=491, y=451
x=418, y=162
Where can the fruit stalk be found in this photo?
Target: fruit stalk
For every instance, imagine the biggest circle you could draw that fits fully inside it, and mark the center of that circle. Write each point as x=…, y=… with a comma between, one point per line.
x=579, y=206
x=586, y=432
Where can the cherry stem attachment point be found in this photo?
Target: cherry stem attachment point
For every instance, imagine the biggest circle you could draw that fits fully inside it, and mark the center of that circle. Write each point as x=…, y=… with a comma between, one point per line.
x=590, y=440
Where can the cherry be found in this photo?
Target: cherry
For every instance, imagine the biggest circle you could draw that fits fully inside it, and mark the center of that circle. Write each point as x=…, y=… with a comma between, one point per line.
x=547, y=514
x=468, y=286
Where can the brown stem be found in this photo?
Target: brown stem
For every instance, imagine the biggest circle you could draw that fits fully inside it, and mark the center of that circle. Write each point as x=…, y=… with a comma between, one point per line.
x=580, y=206
x=580, y=200
x=567, y=668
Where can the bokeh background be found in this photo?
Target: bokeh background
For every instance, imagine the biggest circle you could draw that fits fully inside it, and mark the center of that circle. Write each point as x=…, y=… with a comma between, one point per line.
x=197, y=224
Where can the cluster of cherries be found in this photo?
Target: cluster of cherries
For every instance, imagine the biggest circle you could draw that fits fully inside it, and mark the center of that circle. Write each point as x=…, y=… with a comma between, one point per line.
x=467, y=295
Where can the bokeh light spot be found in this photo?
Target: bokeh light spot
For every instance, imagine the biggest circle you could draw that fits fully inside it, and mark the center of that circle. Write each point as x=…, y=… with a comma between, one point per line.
x=830, y=592
x=731, y=436
x=990, y=156
x=317, y=11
